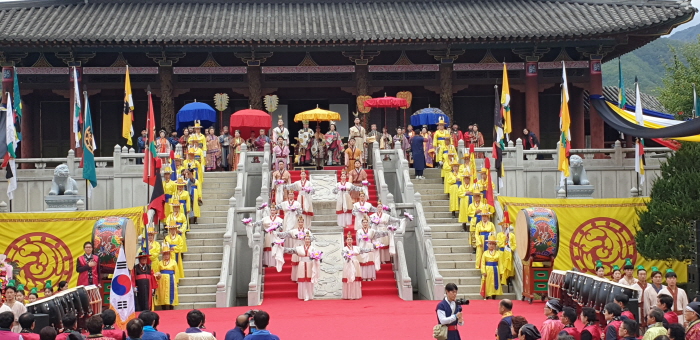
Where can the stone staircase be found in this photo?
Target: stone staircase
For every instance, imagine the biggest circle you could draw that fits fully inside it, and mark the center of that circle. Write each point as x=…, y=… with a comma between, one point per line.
x=453, y=252
x=205, y=246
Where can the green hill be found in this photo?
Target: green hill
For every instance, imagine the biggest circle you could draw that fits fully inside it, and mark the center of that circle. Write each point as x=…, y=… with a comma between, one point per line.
x=646, y=63
x=687, y=35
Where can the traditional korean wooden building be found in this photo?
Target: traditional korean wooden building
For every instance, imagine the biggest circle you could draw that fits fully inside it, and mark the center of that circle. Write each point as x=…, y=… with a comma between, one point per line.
x=447, y=53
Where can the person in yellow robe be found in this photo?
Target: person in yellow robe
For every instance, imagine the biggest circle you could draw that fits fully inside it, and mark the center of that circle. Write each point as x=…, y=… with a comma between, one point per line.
x=194, y=165
x=169, y=189
x=441, y=138
x=198, y=137
x=154, y=249
x=449, y=160
x=455, y=181
x=482, y=230
x=176, y=244
x=180, y=220
x=179, y=164
x=181, y=195
x=465, y=197
x=475, y=208
x=166, y=293
x=194, y=189
x=506, y=245
x=491, y=270
x=483, y=181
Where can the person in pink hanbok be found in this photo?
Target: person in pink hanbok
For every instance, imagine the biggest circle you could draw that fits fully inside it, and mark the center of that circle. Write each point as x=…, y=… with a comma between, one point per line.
x=281, y=151
x=352, y=276
x=361, y=209
x=306, y=190
x=308, y=268
x=343, y=206
x=369, y=262
x=280, y=178
x=381, y=220
x=295, y=238
x=292, y=211
x=273, y=248
x=552, y=326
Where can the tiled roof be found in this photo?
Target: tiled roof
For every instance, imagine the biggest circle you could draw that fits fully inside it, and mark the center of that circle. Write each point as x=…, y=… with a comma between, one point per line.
x=649, y=102
x=323, y=21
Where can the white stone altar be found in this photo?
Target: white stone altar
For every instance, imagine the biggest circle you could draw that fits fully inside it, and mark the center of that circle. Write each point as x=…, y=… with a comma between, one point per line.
x=330, y=282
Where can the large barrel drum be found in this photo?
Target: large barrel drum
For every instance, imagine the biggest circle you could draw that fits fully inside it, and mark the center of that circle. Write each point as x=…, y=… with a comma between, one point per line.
x=107, y=236
x=537, y=234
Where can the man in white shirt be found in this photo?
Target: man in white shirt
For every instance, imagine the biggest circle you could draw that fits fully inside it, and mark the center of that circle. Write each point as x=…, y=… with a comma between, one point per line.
x=680, y=299
x=449, y=313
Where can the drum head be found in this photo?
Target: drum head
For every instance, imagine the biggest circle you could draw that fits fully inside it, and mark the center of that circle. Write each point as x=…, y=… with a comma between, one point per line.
x=130, y=246
x=522, y=235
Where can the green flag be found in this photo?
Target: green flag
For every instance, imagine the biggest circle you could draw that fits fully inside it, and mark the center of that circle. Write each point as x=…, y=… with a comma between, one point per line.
x=89, y=147
x=621, y=97
x=17, y=107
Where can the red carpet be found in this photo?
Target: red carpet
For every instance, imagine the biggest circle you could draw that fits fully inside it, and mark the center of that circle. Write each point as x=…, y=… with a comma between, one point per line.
x=279, y=285
x=379, y=317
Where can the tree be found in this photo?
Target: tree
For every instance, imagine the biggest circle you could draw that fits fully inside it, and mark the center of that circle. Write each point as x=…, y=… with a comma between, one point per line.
x=681, y=73
x=666, y=226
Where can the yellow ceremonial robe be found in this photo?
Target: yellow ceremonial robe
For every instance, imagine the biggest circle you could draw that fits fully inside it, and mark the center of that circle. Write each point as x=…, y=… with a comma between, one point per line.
x=462, y=191
x=176, y=254
x=197, y=168
x=200, y=138
x=490, y=264
x=481, y=232
x=169, y=188
x=154, y=251
x=183, y=198
x=454, y=190
x=166, y=294
x=506, y=255
x=441, y=138
x=195, y=195
x=182, y=226
x=473, y=217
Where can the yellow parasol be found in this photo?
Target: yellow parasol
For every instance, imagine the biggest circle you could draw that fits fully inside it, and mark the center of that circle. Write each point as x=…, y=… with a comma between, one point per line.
x=317, y=115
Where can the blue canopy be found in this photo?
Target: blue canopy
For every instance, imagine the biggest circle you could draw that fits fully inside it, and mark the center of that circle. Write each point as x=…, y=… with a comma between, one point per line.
x=428, y=116
x=195, y=111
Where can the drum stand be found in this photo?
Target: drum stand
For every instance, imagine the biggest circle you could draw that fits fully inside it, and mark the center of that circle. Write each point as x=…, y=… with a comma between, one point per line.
x=536, y=280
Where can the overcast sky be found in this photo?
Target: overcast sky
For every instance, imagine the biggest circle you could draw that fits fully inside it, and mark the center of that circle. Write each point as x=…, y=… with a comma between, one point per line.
x=695, y=21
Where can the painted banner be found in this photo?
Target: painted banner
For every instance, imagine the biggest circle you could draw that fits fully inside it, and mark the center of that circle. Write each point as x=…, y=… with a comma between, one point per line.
x=595, y=229
x=46, y=246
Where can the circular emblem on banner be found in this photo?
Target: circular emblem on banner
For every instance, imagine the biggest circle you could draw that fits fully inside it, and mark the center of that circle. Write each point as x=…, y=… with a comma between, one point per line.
x=601, y=238
x=42, y=257
x=121, y=284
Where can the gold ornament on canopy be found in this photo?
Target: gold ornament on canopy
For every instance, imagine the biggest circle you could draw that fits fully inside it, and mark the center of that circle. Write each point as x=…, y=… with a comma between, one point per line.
x=405, y=95
x=271, y=102
x=221, y=101
x=361, y=104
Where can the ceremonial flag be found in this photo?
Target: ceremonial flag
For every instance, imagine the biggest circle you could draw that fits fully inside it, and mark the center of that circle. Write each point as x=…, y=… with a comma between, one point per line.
x=76, y=108
x=472, y=163
x=639, y=145
x=621, y=96
x=497, y=118
x=10, y=172
x=173, y=166
x=151, y=152
x=18, y=108
x=157, y=202
x=564, y=127
x=89, y=147
x=696, y=109
x=505, y=101
x=10, y=133
x=489, y=185
x=128, y=117
x=121, y=295
x=499, y=143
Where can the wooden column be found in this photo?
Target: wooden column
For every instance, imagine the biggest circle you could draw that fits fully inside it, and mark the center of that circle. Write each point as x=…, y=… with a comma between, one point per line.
x=532, y=99
x=362, y=80
x=597, y=125
x=167, y=102
x=27, y=143
x=79, y=71
x=255, y=87
x=446, y=102
x=578, y=127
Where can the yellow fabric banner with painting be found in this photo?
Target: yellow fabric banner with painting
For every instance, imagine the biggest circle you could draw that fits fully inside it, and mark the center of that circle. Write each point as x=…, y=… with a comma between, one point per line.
x=46, y=246
x=594, y=229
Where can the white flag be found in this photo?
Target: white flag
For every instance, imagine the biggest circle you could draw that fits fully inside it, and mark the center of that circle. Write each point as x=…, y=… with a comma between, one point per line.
x=12, y=181
x=121, y=295
x=639, y=146
x=76, y=108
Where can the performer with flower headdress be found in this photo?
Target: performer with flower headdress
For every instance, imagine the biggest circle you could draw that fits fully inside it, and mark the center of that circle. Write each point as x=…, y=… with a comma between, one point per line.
x=309, y=267
x=369, y=262
x=176, y=244
x=273, y=247
x=680, y=298
x=344, y=204
x=306, y=190
x=361, y=209
x=352, y=275
x=506, y=245
x=482, y=230
x=381, y=220
x=295, y=238
x=291, y=209
x=167, y=291
x=491, y=269
x=280, y=178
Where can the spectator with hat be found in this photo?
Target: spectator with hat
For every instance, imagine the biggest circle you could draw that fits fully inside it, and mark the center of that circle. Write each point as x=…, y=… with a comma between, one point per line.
x=691, y=314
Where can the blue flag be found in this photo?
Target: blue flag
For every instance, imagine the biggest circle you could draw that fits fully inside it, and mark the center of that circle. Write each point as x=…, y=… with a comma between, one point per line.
x=89, y=147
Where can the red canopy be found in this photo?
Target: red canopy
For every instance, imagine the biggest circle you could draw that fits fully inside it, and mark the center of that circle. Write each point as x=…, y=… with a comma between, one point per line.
x=250, y=120
x=385, y=102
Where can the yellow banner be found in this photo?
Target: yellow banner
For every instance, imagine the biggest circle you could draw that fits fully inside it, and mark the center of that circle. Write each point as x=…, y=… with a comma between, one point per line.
x=45, y=246
x=594, y=229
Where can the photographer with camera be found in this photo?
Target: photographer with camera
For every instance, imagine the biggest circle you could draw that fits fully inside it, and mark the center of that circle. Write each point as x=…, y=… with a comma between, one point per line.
x=238, y=332
x=449, y=314
x=261, y=319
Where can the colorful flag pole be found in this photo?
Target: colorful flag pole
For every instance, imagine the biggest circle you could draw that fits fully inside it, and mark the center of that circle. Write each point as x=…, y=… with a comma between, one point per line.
x=76, y=108
x=639, y=145
x=564, y=128
x=505, y=102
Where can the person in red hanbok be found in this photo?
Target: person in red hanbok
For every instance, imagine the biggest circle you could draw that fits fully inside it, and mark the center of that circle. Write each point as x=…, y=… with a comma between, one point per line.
x=612, y=312
x=552, y=326
x=88, y=267
x=568, y=318
x=591, y=329
x=691, y=314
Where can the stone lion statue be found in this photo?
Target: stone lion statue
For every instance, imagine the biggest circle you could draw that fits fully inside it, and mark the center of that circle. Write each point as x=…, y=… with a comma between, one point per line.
x=62, y=183
x=577, y=175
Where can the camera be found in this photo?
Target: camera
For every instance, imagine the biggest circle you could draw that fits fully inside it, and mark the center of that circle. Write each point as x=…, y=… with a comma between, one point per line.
x=461, y=301
x=251, y=322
